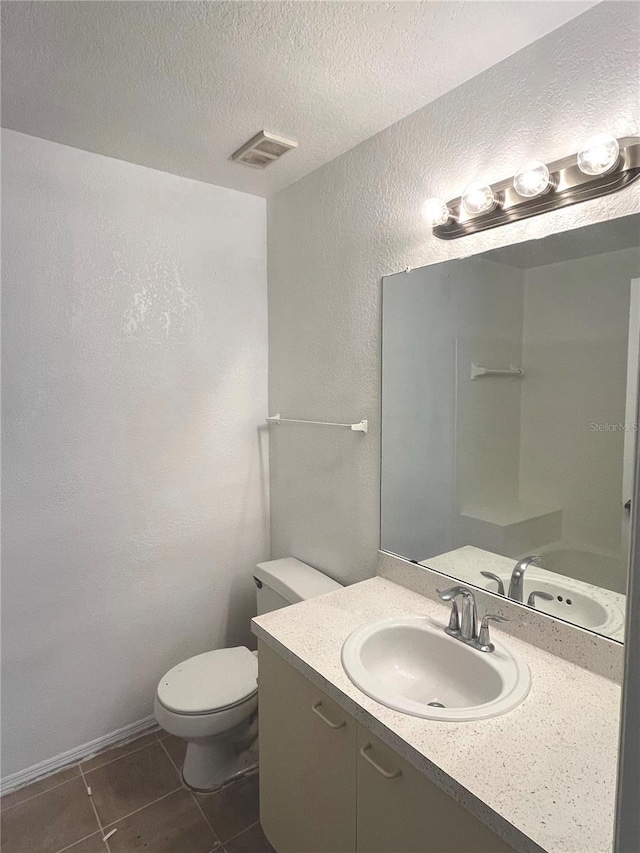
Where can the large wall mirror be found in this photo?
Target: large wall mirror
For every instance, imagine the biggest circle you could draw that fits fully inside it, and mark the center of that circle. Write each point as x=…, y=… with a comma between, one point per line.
x=509, y=397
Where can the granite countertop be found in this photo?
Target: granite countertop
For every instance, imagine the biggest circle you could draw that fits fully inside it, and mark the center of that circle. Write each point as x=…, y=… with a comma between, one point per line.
x=542, y=776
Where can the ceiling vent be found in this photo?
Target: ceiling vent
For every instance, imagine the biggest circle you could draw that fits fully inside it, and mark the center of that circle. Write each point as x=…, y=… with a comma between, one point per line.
x=265, y=148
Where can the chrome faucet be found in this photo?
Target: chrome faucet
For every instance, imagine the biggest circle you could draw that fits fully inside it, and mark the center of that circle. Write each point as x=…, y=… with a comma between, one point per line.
x=516, y=586
x=465, y=628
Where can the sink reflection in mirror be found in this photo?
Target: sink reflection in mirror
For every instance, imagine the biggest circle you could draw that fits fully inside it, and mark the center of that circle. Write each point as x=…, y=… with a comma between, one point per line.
x=586, y=605
x=508, y=419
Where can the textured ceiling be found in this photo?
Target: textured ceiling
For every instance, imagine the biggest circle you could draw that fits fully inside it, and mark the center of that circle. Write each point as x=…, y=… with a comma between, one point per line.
x=178, y=86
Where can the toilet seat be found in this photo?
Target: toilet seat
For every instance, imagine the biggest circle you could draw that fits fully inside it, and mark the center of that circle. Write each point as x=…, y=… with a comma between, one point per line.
x=210, y=683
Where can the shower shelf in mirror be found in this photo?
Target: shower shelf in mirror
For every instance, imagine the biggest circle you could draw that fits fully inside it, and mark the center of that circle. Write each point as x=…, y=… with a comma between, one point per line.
x=362, y=426
x=510, y=527
x=477, y=371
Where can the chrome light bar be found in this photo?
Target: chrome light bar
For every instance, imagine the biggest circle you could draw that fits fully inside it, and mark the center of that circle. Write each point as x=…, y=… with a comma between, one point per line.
x=568, y=184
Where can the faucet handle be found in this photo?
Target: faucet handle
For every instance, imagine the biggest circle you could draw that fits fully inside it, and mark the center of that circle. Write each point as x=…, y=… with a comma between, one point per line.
x=453, y=628
x=531, y=601
x=484, y=640
x=453, y=592
x=492, y=577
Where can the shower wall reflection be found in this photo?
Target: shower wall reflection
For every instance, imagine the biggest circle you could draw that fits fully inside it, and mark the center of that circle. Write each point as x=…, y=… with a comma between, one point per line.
x=509, y=399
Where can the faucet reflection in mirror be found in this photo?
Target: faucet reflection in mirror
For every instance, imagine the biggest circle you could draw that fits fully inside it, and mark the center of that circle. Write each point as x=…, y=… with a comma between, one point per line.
x=499, y=479
x=603, y=165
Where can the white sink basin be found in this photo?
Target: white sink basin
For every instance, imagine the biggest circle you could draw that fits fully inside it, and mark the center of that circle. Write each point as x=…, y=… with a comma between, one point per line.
x=408, y=662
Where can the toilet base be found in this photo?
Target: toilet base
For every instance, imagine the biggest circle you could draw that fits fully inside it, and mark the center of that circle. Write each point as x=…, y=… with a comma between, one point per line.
x=247, y=771
x=211, y=763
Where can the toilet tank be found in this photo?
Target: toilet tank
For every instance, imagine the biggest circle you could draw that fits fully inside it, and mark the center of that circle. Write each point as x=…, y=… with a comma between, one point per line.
x=283, y=582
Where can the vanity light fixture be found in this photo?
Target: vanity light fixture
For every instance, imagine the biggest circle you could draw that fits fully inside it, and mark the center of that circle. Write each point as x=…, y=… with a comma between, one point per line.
x=532, y=180
x=599, y=154
x=436, y=212
x=603, y=165
x=479, y=198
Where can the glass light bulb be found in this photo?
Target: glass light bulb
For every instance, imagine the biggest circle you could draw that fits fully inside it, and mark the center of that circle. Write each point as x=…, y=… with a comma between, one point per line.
x=478, y=198
x=599, y=154
x=436, y=212
x=532, y=179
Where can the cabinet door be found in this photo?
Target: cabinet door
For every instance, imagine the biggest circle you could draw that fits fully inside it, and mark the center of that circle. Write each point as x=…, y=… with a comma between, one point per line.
x=307, y=763
x=400, y=811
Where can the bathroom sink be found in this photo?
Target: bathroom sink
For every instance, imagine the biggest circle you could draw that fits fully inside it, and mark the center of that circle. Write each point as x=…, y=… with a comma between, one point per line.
x=409, y=664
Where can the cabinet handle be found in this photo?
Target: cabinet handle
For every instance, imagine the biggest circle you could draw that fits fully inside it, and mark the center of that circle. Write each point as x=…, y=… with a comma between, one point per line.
x=316, y=710
x=387, y=775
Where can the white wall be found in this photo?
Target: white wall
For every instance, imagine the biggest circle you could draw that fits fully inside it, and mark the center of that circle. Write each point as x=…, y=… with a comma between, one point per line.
x=134, y=370
x=576, y=329
x=334, y=234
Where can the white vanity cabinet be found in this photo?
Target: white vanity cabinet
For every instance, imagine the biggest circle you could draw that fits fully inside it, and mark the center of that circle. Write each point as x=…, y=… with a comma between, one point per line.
x=327, y=785
x=400, y=811
x=307, y=763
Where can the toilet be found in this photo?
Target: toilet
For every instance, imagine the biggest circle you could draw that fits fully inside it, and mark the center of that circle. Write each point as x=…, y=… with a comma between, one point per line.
x=211, y=700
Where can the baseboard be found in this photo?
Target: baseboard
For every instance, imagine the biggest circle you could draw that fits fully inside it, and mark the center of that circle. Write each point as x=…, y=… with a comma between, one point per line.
x=76, y=755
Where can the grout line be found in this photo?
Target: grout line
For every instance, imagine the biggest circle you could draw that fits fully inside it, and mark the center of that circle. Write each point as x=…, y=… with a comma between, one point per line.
x=79, y=841
x=80, y=774
x=95, y=810
x=218, y=844
x=207, y=821
x=178, y=770
x=135, y=811
x=40, y=793
x=113, y=760
x=246, y=829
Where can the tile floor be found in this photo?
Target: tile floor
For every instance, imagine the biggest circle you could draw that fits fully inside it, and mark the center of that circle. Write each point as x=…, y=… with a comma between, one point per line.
x=137, y=790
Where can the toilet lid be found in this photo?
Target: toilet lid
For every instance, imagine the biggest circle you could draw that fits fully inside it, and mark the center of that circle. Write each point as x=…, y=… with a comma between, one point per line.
x=210, y=682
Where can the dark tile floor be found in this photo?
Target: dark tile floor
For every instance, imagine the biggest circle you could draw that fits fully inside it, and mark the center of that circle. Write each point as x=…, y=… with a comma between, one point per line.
x=135, y=789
